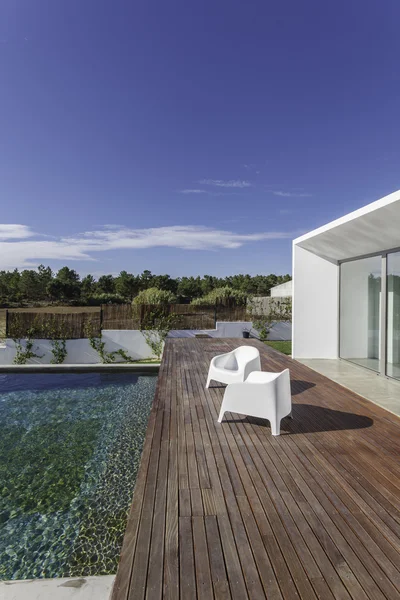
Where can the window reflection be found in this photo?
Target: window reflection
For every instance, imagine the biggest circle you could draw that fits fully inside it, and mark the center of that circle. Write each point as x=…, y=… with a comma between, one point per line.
x=360, y=300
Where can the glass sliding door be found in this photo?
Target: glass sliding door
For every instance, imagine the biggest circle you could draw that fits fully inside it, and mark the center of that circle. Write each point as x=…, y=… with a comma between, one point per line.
x=360, y=302
x=393, y=315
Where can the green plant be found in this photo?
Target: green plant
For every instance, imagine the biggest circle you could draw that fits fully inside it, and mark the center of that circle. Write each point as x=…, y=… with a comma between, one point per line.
x=99, y=346
x=154, y=296
x=57, y=333
x=155, y=327
x=279, y=310
x=25, y=352
x=123, y=354
x=223, y=294
x=59, y=351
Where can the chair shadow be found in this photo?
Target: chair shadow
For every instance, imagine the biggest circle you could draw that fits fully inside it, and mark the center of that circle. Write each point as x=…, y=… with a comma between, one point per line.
x=299, y=386
x=308, y=418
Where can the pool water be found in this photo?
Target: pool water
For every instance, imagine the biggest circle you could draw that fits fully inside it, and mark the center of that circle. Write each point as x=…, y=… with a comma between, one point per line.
x=70, y=448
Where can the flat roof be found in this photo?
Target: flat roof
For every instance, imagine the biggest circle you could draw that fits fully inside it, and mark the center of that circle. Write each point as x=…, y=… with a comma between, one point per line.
x=372, y=228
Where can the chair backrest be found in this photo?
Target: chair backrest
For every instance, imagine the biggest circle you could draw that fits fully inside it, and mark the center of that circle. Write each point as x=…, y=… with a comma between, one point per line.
x=284, y=391
x=246, y=353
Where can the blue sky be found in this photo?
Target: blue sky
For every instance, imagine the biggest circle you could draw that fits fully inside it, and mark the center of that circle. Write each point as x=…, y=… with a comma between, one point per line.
x=190, y=138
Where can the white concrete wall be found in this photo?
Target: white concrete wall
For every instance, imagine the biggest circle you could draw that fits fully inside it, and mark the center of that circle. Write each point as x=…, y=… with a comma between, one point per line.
x=283, y=290
x=80, y=351
x=280, y=331
x=315, y=306
x=354, y=311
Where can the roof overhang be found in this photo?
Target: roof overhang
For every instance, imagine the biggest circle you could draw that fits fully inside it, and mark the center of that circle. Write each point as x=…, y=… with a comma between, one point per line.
x=370, y=229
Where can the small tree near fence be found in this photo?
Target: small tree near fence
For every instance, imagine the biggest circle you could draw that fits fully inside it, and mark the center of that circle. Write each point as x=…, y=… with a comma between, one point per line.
x=155, y=327
x=281, y=310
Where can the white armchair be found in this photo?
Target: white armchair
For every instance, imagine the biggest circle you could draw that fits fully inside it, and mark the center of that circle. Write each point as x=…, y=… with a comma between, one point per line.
x=263, y=395
x=234, y=366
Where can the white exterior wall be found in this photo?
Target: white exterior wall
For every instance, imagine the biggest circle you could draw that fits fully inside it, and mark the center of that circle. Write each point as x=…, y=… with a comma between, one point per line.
x=233, y=329
x=315, y=306
x=283, y=290
x=80, y=352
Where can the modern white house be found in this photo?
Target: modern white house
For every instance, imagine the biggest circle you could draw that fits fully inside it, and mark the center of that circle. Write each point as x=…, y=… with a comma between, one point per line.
x=346, y=289
x=283, y=290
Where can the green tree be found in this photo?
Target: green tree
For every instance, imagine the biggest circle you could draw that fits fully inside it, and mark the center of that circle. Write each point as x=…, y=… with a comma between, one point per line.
x=67, y=275
x=208, y=283
x=189, y=288
x=88, y=286
x=55, y=290
x=65, y=286
x=165, y=282
x=127, y=285
x=29, y=285
x=146, y=280
x=11, y=280
x=106, y=285
x=45, y=275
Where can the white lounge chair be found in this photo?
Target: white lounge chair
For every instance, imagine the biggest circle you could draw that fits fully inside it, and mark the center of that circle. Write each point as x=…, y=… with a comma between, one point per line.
x=234, y=366
x=263, y=395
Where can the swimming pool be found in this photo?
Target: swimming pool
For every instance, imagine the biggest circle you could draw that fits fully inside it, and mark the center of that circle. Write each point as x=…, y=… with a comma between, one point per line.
x=70, y=447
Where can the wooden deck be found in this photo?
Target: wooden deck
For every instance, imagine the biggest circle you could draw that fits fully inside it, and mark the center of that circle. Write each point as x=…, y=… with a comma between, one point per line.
x=228, y=511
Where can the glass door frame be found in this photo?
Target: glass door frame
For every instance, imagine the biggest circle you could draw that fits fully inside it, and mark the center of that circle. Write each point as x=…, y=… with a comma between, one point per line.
x=383, y=307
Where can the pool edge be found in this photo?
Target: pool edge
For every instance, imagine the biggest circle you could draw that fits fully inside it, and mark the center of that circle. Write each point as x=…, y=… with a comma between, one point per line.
x=81, y=368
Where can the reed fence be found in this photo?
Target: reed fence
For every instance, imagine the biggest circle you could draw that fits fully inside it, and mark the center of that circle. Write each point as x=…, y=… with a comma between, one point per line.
x=74, y=325
x=42, y=325
x=187, y=316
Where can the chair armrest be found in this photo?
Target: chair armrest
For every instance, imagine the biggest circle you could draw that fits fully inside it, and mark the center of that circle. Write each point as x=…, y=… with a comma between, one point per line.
x=252, y=365
x=221, y=358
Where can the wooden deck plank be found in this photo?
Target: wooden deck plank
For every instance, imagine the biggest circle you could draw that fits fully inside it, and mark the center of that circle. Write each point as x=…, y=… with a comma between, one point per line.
x=228, y=511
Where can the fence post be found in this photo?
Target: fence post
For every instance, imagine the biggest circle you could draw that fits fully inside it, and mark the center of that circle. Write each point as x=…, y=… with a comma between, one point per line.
x=215, y=316
x=101, y=317
x=7, y=325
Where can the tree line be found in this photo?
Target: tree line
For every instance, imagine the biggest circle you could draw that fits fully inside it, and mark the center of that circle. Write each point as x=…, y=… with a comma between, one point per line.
x=65, y=286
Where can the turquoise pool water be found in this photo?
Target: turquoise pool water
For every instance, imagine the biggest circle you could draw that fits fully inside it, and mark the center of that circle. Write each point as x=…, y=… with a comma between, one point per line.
x=70, y=447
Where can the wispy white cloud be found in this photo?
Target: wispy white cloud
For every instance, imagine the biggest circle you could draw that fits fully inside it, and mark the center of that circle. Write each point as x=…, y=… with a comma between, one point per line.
x=284, y=194
x=195, y=191
x=252, y=167
x=11, y=231
x=83, y=247
x=232, y=183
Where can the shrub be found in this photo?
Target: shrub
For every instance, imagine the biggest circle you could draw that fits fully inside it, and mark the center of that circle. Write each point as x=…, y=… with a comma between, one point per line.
x=221, y=295
x=99, y=299
x=154, y=296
